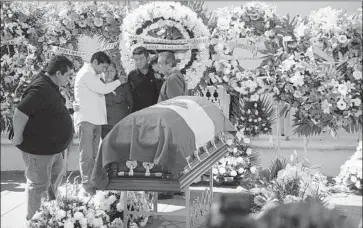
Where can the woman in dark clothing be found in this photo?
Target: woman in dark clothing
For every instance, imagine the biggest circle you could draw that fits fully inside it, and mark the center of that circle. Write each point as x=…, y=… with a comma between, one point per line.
x=153, y=64
x=118, y=103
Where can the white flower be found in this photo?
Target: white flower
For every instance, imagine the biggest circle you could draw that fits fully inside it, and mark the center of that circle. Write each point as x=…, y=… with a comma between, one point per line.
x=222, y=170
x=357, y=75
x=253, y=169
x=249, y=151
x=356, y=102
x=288, y=63
x=353, y=179
x=358, y=185
x=297, y=94
x=111, y=199
x=341, y=104
x=255, y=97
x=297, y=79
x=343, y=89
x=299, y=31
x=68, y=224
x=233, y=173
x=83, y=222
x=239, y=160
x=343, y=39
x=241, y=170
x=325, y=106
x=78, y=215
x=215, y=171
x=235, y=150
x=60, y=214
x=246, y=140
x=225, y=78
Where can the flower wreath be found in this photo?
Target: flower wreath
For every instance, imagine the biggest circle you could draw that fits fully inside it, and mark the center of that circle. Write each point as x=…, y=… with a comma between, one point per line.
x=322, y=74
x=253, y=24
x=158, y=15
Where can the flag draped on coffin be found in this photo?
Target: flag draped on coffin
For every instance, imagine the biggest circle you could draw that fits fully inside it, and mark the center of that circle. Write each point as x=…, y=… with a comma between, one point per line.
x=164, y=134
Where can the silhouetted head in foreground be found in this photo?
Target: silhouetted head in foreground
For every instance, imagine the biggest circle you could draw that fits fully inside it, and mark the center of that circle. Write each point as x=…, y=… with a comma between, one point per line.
x=301, y=215
x=231, y=211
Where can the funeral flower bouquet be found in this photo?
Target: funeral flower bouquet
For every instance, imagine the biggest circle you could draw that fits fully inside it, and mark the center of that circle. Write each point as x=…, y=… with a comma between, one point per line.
x=290, y=181
x=321, y=72
x=105, y=209
x=350, y=175
x=240, y=164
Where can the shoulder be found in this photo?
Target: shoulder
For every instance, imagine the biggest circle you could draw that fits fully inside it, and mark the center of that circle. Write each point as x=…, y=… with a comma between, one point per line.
x=39, y=84
x=123, y=87
x=176, y=76
x=133, y=73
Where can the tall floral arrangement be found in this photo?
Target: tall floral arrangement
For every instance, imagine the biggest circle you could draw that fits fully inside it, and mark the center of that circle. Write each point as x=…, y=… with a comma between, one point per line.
x=253, y=118
x=321, y=72
x=31, y=30
x=253, y=24
x=351, y=172
x=19, y=39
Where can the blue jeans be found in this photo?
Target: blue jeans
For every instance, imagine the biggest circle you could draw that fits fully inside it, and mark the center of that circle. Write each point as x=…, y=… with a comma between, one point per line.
x=89, y=141
x=43, y=173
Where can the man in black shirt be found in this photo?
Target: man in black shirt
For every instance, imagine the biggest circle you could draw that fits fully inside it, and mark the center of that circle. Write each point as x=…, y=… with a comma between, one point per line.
x=43, y=129
x=144, y=85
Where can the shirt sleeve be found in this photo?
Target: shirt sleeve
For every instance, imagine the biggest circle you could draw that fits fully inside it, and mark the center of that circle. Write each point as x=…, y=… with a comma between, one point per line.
x=34, y=101
x=174, y=87
x=130, y=81
x=129, y=100
x=96, y=85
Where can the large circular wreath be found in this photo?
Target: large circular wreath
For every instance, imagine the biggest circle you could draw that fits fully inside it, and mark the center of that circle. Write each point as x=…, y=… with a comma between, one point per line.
x=150, y=20
x=253, y=23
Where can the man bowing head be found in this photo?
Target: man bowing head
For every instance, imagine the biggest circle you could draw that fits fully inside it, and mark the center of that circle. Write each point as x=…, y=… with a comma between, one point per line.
x=175, y=84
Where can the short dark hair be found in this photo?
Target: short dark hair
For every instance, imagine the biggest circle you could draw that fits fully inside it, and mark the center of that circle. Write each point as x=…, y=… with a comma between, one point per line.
x=140, y=51
x=169, y=58
x=101, y=57
x=59, y=63
x=154, y=60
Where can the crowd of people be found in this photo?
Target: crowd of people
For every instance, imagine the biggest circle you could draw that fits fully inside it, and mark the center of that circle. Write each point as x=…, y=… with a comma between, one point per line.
x=44, y=128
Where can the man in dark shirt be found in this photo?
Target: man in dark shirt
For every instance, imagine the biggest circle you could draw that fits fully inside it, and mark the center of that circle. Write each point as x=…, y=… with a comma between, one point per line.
x=43, y=129
x=143, y=83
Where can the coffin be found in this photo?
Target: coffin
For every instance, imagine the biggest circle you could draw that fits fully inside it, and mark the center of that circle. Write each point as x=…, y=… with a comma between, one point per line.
x=158, y=178
x=165, y=147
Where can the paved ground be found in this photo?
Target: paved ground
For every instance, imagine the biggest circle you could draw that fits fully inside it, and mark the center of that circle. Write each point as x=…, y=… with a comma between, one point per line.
x=13, y=204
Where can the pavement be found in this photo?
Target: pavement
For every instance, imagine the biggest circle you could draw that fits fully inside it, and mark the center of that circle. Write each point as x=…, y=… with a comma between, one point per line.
x=13, y=204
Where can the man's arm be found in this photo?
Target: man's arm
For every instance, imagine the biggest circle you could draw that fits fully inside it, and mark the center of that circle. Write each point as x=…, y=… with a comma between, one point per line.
x=174, y=87
x=20, y=120
x=33, y=101
x=129, y=99
x=96, y=85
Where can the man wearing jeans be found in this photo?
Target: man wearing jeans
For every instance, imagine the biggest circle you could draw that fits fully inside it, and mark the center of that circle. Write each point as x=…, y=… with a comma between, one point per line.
x=43, y=129
x=89, y=93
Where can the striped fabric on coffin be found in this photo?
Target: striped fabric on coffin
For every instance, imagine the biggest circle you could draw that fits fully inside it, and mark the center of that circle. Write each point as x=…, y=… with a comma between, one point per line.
x=165, y=134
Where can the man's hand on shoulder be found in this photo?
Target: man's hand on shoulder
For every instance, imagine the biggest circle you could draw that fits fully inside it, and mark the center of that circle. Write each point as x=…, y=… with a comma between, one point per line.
x=122, y=79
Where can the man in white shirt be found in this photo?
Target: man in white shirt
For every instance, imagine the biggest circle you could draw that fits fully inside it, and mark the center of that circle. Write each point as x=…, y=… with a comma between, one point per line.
x=89, y=93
